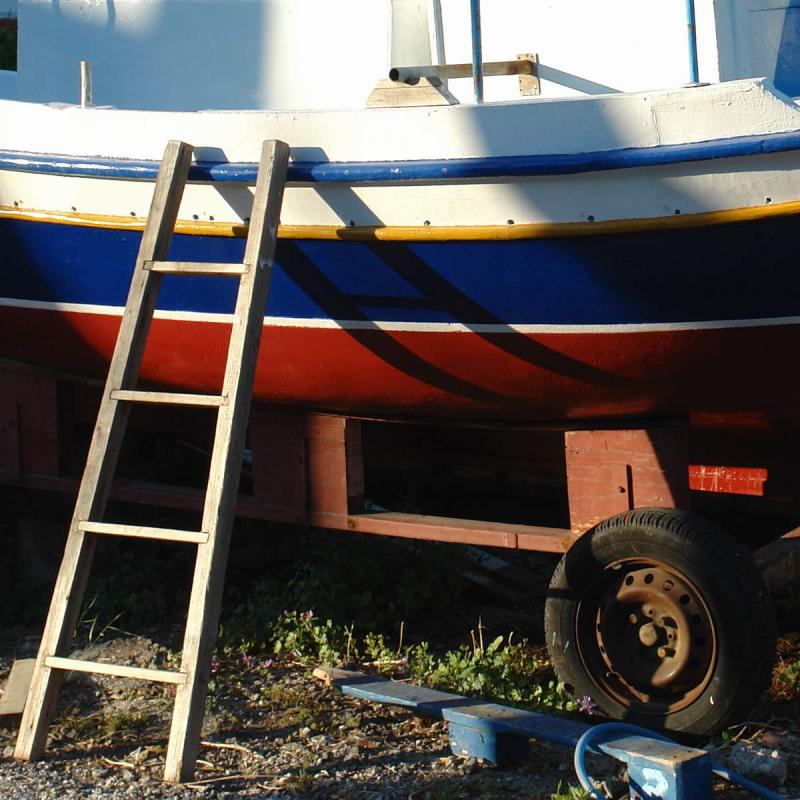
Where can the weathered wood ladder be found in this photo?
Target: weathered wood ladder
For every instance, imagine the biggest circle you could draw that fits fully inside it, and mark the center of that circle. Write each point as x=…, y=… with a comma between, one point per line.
x=233, y=406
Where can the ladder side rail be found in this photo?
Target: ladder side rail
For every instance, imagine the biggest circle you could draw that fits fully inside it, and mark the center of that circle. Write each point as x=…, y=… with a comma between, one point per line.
x=226, y=463
x=132, y=338
x=103, y=452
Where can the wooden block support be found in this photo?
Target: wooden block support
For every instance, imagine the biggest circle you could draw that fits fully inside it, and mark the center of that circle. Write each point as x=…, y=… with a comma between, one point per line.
x=28, y=425
x=306, y=464
x=308, y=469
x=612, y=471
x=9, y=438
x=334, y=465
x=487, y=743
x=277, y=441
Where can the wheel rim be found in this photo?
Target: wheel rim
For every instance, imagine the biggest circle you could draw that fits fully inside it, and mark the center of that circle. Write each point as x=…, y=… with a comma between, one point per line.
x=646, y=636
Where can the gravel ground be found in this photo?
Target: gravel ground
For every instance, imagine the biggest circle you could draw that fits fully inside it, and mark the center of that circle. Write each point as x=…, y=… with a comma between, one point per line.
x=270, y=731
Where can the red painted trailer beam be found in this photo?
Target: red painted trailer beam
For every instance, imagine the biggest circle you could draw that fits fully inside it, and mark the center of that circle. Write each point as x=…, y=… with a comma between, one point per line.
x=450, y=529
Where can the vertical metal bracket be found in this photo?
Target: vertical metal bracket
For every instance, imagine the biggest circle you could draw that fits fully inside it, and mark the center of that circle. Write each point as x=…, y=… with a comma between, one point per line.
x=530, y=85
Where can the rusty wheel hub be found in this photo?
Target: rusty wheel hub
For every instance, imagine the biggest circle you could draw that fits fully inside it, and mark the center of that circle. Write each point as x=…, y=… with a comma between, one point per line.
x=647, y=637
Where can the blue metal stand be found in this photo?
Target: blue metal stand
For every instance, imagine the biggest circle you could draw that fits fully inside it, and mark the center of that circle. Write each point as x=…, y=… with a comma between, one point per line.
x=662, y=770
x=657, y=770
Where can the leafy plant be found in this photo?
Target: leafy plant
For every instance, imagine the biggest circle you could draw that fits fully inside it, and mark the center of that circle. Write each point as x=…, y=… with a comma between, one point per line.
x=788, y=676
x=502, y=670
x=303, y=636
x=570, y=793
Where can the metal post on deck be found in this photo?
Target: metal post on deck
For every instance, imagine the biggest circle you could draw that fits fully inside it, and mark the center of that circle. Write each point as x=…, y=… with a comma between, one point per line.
x=86, y=84
x=477, y=50
x=694, y=72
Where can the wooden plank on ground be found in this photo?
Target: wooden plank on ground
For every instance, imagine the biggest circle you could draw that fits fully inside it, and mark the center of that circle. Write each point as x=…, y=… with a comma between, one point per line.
x=15, y=692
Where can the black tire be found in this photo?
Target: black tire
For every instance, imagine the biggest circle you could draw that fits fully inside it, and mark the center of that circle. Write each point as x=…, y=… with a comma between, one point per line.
x=661, y=619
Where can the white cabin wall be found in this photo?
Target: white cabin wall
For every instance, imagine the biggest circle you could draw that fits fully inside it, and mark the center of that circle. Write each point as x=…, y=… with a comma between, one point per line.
x=760, y=38
x=194, y=54
x=281, y=54
x=616, y=45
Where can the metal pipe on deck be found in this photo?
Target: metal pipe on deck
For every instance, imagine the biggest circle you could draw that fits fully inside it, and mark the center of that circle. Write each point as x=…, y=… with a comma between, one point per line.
x=694, y=71
x=86, y=84
x=477, y=50
x=523, y=66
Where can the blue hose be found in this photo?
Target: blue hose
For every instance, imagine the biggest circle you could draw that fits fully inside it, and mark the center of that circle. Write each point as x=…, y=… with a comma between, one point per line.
x=621, y=727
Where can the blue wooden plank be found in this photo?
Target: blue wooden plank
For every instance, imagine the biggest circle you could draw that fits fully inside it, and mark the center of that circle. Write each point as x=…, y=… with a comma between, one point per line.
x=399, y=694
x=516, y=721
x=460, y=710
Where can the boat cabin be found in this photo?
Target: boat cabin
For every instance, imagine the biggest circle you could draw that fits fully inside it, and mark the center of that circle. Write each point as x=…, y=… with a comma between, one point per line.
x=287, y=54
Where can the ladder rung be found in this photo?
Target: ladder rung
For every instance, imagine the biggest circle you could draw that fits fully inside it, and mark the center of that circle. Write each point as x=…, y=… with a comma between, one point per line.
x=195, y=267
x=140, y=532
x=169, y=398
x=117, y=670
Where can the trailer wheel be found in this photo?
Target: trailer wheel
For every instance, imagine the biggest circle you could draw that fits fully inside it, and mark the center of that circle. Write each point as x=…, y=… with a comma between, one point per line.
x=662, y=620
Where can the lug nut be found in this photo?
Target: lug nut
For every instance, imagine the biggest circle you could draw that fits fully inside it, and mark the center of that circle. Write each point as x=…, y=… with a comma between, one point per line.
x=648, y=635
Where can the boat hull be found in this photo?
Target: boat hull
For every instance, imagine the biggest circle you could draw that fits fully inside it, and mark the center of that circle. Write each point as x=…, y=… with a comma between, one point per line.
x=619, y=256
x=695, y=322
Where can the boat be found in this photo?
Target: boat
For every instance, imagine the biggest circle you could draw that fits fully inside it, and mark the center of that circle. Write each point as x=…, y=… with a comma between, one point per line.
x=487, y=266
x=574, y=257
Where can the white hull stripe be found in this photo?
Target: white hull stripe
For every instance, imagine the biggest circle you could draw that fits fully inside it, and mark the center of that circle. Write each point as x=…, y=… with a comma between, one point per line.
x=411, y=327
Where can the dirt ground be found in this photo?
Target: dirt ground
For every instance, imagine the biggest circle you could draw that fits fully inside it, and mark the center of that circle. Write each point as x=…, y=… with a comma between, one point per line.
x=274, y=731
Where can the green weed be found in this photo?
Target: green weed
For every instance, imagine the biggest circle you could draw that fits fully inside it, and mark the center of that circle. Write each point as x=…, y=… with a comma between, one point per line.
x=788, y=678
x=90, y=624
x=304, y=637
x=569, y=793
x=132, y=720
x=502, y=670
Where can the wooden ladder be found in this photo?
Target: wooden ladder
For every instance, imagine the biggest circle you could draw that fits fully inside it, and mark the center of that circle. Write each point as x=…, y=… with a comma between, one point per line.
x=233, y=406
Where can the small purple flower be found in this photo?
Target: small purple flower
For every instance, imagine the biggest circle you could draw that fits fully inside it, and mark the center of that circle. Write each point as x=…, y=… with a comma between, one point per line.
x=308, y=614
x=248, y=661
x=215, y=665
x=265, y=664
x=586, y=705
